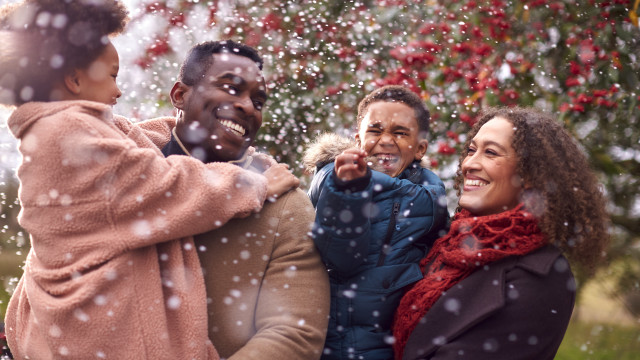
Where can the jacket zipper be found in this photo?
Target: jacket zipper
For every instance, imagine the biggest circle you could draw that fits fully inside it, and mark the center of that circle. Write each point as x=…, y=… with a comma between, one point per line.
x=387, y=239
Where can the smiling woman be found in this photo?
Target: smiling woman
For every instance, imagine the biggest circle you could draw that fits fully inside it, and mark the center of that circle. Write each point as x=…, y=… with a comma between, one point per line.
x=498, y=283
x=491, y=184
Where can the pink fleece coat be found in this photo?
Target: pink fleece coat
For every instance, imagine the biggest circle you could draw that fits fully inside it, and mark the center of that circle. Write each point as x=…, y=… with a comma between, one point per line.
x=113, y=272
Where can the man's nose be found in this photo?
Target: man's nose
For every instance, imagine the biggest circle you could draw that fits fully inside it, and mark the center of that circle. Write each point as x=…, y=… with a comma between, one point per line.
x=244, y=103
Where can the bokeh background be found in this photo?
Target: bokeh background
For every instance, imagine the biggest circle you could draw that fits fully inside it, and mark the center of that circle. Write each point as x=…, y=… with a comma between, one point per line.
x=578, y=59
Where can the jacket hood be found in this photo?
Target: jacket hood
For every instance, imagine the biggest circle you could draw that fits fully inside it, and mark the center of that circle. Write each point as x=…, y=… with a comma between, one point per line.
x=324, y=149
x=327, y=146
x=26, y=115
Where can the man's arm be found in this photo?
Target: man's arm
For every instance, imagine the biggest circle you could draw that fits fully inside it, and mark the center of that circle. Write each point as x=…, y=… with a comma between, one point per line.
x=293, y=305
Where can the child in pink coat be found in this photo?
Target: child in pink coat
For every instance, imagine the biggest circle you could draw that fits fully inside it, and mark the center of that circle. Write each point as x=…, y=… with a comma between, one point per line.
x=112, y=271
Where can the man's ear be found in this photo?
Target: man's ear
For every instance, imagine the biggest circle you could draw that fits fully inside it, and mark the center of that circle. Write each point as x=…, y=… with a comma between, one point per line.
x=72, y=82
x=179, y=94
x=422, y=149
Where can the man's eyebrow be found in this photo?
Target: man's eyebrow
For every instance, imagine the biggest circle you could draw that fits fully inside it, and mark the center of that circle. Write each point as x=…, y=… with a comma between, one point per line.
x=239, y=80
x=229, y=75
x=263, y=95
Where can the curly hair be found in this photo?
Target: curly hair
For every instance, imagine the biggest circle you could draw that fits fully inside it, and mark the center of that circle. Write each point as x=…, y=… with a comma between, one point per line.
x=199, y=58
x=559, y=187
x=44, y=40
x=400, y=94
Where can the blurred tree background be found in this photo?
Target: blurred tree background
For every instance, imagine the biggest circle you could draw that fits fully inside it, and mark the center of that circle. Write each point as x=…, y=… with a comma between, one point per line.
x=579, y=60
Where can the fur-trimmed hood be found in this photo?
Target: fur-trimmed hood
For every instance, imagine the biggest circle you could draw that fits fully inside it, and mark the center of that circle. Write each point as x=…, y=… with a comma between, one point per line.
x=324, y=149
x=327, y=146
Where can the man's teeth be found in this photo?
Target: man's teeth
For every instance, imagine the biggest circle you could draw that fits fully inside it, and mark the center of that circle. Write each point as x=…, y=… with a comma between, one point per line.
x=475, y=183
x=239, y=130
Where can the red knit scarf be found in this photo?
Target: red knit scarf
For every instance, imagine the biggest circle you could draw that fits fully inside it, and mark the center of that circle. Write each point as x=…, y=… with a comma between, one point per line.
x=471, y=243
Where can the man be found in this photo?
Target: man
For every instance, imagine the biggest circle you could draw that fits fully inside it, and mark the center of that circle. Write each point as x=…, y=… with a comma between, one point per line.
x=267, y=290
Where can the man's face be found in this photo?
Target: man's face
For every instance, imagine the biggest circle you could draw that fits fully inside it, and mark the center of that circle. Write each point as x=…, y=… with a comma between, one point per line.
x=223, y=111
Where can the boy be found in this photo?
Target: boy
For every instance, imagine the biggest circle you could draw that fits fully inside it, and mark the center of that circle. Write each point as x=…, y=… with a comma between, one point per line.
x=377, y=211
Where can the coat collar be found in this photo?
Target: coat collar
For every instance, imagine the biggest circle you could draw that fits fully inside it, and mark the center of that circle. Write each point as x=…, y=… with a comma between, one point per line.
x=27, y=114
x=460, y=308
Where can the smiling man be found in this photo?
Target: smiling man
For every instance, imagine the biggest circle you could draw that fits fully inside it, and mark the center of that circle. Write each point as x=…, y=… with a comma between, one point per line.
x=267, y=289
x=220, y=96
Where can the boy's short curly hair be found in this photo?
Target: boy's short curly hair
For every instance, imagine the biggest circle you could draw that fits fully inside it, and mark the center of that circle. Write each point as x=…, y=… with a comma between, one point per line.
x=397, y=93
x=44, y=40
x=560, y=188
x=199, y=59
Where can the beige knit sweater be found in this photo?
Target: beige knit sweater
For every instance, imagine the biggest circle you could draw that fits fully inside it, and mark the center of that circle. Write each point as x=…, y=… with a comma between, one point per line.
x=113, y=272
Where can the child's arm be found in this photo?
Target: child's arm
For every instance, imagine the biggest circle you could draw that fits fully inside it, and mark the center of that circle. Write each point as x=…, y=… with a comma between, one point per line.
x=341, y=230
x=115, y=195
x=158, y=132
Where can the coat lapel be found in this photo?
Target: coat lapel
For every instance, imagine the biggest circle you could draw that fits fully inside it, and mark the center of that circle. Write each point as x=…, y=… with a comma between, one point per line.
x=460, y=308
x=471, y=301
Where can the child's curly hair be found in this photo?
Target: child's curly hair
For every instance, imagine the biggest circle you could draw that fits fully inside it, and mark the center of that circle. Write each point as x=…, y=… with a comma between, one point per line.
x=559, y=186
x=44, y=40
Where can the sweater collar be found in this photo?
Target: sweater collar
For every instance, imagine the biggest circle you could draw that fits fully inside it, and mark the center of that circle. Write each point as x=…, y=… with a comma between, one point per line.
x=176, y=147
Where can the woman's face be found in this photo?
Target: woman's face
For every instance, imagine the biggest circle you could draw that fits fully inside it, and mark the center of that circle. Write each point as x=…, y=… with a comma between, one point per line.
x=491, y=184
x=98, y=81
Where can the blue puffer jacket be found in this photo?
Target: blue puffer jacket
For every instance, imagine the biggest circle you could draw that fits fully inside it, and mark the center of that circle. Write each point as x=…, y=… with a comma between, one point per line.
x=401, y=215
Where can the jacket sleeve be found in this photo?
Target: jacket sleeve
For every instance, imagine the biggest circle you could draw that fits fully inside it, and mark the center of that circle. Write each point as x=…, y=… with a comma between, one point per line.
x=293, y=305
x=431, y=199
x=343, y=227
x=341, y=230
x=157, y=130
x=115, y=195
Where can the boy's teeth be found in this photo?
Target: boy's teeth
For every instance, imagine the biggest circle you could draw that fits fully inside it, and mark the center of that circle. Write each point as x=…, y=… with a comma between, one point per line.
x=239, y=130
x=475, y=183
x=385, y=158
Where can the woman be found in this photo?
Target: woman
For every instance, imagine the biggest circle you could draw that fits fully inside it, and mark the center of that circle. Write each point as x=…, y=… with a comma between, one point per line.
x=112, y=271
x=498, y=285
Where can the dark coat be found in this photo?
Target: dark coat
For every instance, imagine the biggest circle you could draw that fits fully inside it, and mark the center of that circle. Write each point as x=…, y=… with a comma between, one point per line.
x=516, y=308
x=351, y=228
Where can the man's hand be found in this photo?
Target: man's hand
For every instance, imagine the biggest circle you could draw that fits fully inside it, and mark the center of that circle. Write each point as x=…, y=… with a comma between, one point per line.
x=351, y=164
x=279, y=181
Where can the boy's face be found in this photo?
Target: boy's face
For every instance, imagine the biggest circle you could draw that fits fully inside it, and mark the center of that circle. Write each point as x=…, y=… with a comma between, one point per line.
x=389, y=134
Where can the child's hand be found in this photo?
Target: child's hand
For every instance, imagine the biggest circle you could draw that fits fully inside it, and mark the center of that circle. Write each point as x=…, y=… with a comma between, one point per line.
x=279, y=181
x=351, y=164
